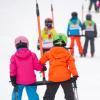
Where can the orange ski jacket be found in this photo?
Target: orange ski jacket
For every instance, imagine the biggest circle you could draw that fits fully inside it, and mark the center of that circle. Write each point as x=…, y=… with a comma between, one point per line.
x=61, y=64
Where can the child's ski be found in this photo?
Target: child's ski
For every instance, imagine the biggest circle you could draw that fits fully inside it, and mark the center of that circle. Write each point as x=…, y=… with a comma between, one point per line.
x=52, y=14
x=16, y=92
x=39, y=31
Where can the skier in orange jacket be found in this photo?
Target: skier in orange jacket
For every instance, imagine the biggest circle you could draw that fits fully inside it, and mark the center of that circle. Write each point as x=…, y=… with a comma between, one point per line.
x=62, y=67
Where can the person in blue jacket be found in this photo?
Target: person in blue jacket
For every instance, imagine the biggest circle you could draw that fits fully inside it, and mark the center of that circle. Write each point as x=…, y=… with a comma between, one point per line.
x=73, y=31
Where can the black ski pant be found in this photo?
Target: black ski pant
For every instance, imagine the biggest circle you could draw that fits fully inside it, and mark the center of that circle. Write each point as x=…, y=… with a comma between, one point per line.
x=52, y=89
x=91, y=4
x=87, y=39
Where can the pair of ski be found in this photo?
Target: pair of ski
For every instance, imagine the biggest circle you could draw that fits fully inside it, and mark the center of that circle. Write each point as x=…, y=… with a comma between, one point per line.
x=72, y=80
x=44, y=82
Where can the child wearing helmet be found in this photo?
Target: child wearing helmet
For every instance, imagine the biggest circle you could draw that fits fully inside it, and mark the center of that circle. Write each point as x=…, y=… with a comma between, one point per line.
x=22, y=65
x=47, y=35
x=61, y=68
x=90, y=33
x=73, y=31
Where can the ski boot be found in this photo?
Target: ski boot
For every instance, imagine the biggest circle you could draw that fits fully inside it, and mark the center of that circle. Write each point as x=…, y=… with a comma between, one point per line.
x=92, y=55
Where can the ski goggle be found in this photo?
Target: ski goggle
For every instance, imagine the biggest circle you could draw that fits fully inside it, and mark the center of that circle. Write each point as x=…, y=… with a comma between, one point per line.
x=49, y=25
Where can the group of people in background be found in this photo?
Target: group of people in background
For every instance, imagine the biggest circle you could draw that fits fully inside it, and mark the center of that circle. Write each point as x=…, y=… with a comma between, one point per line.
x=74, y=32
x=61, y=61
x=96, y=4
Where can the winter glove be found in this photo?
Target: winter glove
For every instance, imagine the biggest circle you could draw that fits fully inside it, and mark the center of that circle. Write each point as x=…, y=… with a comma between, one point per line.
x=44, y=68
x=38, y=47
x=13, y=80
x=75, y=77
x=95, y=36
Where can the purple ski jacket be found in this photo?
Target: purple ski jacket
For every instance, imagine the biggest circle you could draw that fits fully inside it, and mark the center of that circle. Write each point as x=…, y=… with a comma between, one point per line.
x=22, y=65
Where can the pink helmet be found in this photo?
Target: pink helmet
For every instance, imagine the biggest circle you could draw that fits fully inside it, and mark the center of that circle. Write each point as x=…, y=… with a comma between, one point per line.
x=21, y=39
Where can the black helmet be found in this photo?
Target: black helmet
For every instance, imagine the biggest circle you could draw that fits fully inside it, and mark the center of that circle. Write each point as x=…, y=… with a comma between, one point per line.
x=88, y=17
x=74, y=14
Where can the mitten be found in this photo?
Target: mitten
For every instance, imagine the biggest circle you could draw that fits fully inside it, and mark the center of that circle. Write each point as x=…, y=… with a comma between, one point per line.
x=13, y=80
x=75, y=77
x=44, y=68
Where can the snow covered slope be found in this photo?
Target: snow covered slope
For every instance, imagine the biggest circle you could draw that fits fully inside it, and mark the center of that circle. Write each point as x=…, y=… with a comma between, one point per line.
x=18, y=17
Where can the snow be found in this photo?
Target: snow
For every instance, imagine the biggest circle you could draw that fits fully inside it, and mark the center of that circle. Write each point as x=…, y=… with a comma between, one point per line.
x=18, y=17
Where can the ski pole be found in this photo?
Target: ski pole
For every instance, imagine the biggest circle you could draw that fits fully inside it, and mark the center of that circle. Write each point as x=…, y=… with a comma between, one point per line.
x=16, y=92
x=52, y=14
x=71, y=80
x=76, y=35
x=39, y=32
x=82, y=14
x=75, y=91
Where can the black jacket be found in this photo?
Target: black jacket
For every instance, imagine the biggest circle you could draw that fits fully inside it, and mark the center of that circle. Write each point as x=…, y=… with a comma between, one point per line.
x=88, y=33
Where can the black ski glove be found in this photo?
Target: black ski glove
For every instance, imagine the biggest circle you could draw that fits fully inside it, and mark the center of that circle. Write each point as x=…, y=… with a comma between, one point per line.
x=13, y=80
x=75, y=78
x=44, y=68
x=38, y=47
x=95, y=36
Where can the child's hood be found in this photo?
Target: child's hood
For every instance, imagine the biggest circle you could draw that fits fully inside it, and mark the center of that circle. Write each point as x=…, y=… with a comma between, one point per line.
x=23, y=53
x=74, y=20
x=58, y=52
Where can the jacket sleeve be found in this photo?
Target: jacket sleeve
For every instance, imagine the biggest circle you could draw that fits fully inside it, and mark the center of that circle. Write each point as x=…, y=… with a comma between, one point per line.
x=95, y=30
x=80, y=24
x=71, y=66
x=44, y=58
x=13, y=67
x=83, y=26
x=37, y=66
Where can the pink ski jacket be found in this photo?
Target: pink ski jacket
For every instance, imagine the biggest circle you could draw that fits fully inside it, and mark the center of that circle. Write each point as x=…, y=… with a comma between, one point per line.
x=22, y=65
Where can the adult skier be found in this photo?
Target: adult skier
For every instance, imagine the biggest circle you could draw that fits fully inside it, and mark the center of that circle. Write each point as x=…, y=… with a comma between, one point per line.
x=90, y=33
x=93, y=2
x=61, y=68
x=22, y=65
x=73, y=31
x=47, y=35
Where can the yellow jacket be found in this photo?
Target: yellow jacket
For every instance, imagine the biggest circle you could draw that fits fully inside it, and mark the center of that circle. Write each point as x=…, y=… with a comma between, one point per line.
x=48, y=34
x=47, y=37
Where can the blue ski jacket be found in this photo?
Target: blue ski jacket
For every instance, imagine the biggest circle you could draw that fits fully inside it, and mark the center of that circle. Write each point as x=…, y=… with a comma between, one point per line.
x=74, y=26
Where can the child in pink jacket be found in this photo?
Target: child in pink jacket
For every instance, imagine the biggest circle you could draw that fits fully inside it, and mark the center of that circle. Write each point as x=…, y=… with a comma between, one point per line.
x=22, y=66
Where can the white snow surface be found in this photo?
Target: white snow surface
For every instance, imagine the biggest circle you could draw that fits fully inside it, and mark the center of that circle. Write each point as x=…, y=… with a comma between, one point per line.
x=18, y=17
